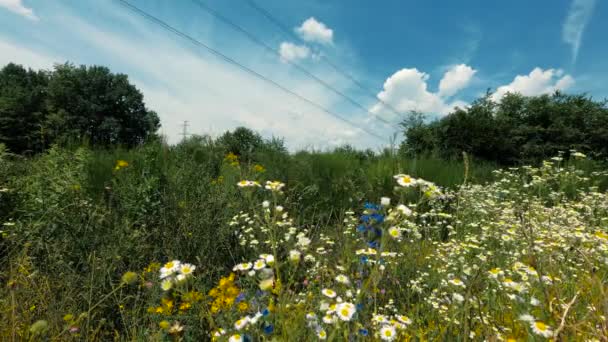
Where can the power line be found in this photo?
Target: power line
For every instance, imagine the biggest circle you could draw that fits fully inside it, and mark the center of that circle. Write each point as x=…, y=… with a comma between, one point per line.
x=290, y=33
x=256, y=40
x=217, y=53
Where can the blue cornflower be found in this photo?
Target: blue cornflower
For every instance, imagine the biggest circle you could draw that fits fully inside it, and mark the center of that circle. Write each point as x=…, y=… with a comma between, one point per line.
x=378, y=231
x=365, y=218
x=363, y=332
x=363, y=259
x=373, y=244
x=268, y=329
x=361, y=228
x=379, y=218
x=240, y=297
x=373, y=206
x=265, y=312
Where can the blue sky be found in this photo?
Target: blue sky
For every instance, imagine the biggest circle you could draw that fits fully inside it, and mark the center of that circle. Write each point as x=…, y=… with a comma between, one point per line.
x=409, y=55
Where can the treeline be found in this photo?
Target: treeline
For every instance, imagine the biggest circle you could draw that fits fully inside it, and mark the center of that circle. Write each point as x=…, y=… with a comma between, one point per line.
x=70, y=104
x=516, y=130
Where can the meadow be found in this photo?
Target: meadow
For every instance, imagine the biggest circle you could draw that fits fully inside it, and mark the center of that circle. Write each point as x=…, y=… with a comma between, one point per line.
x=192, y=242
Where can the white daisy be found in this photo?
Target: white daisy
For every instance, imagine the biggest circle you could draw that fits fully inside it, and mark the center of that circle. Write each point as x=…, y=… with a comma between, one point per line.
x=329, y=293
x=186, y=269
x=345, y=311
x=405, y=180
x=541, y=329
x=235, y=338
x=169, y=268
x=241, y=323
x=388, y=333
x=166, y=284
x=342, y=279
x=259, y=264
x=321, y=334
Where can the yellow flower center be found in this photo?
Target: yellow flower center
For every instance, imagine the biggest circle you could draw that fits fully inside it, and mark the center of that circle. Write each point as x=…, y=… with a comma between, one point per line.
x=540, y=326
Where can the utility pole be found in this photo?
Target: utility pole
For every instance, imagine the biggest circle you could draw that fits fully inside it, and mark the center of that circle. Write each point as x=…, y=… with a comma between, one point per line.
x=185, y=133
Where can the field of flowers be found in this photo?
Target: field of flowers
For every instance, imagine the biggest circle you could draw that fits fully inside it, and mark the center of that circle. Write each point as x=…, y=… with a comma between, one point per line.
x=520, y=258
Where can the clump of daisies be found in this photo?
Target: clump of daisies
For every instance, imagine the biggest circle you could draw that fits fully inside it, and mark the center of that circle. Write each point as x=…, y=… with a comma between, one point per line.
x=175, y=272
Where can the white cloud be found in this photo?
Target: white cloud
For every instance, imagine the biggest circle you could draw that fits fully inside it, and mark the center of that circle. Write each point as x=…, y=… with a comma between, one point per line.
x=312, y=30
x=293, y=52
x=406, y=90
x=574, y=25
x=537, y=82
x=455, y=79
x=17, y=6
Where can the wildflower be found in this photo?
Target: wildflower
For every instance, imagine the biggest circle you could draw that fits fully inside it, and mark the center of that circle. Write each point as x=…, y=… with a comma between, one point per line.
x=169, y=268
x=129, y=278
x=258, y=168
x=404, y=319
x=265, y=204
x=322, y=334
x=405, y=180
x=259, y=264
x=342, y=279
x=268, y=329
x=328, y=319
x=579, y=155
x=385, y=201
x=275, y=186
x=457, y=282
x=186, y=269
x=266, y=284
x=303, y=242
x=495, y=272
x=236, y=338
x=241, y=323
x=394, y=232
x=166, y=284
x=404, y=210
x=294, y=256
x=541, y=329
x=176, y=328
x=246, y=266
x=329, y=293
x=219, y=332
x=269, y=258
x=243, y=306
x=526, y=318
x=388, y=333
x=345, y=311
x=245, y=184
x=164, y=325
x=279, y=208
x=120, y=164
x=458, y=297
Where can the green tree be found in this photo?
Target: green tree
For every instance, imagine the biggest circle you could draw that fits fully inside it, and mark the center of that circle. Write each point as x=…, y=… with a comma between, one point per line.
x=22, y=108
x=517, y=129
x=91, y=103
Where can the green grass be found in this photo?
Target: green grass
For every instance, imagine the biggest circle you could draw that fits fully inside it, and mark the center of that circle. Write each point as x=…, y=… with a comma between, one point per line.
x=74, y=223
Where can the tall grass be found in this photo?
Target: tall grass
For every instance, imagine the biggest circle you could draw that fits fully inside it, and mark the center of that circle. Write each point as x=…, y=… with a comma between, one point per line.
x=75, y=220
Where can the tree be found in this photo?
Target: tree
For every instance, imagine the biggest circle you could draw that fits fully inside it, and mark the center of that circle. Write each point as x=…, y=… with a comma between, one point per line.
x=39, y=108
x=91, y=103
x=22, y=108
x=517, y=129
